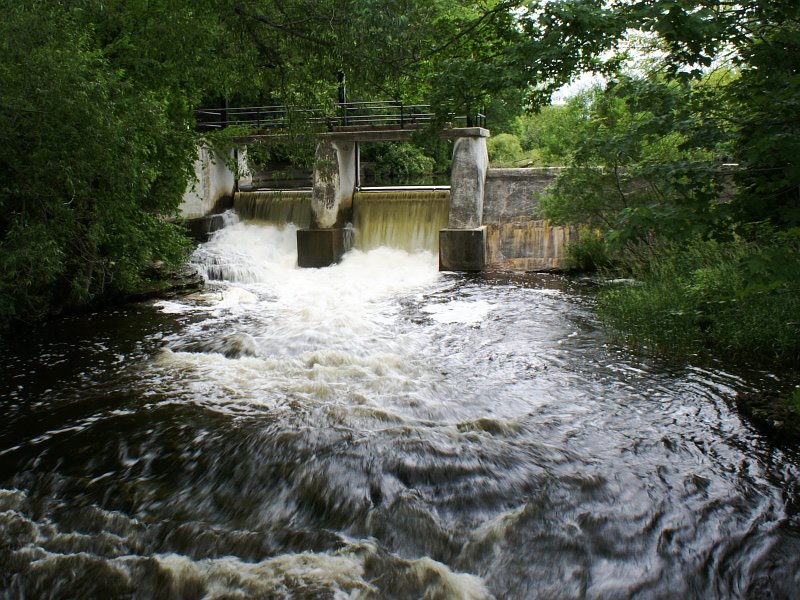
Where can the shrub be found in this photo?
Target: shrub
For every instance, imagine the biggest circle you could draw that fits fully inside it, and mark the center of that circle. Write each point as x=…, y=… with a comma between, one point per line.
x=699, y=296
x=504, y=150
x=590, y=253
x=397, y=162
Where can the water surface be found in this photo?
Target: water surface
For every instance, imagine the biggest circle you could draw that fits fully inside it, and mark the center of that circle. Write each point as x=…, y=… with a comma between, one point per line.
x=377, y=429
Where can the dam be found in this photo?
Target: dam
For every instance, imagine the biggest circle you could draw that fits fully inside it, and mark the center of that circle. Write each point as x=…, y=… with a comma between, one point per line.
x=382, y=428
x=486, y=219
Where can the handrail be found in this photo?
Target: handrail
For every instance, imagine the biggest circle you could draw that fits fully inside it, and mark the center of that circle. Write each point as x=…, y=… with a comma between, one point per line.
x=366, y=114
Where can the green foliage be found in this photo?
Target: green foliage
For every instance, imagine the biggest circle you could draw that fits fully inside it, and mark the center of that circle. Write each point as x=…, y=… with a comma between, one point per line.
x=763, y=107
x=639, y=168
x=590, y=253
x=504, y=150
x=560, y=39
x=91, y=161
x=398, y=162
x=714, y=247
x=299, y=153
x=793, y=401
x=552, y=134
x=697, y=296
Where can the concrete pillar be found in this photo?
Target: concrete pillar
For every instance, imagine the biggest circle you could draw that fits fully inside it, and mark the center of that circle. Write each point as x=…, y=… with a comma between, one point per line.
x=462, y=246
x=467, y=181
x=335, y=175
x=462, y=249
x=334, y=184
x=322, y=247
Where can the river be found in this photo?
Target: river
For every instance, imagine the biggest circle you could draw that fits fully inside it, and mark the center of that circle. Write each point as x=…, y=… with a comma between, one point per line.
x=378, y=429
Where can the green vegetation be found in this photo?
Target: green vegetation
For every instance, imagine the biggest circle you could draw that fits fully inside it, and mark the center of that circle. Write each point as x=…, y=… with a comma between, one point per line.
x=698, y=296
x=91, y=160
x=688, y=181
x=400, y=162
x=505, y=150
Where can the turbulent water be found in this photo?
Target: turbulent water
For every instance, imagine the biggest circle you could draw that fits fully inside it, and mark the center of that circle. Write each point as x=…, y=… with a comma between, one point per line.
x=377, y=429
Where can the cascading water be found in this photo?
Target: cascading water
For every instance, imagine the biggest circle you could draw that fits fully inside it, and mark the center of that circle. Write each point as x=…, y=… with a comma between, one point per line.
x=377, y=429
x=408, y=220
x=277, y=207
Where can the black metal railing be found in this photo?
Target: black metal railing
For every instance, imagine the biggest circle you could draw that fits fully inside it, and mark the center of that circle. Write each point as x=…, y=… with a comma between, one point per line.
x=390, y=114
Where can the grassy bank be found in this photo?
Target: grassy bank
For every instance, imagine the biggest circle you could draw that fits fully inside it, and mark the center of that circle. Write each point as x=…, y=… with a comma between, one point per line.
x=737, y=300
x=704, y=296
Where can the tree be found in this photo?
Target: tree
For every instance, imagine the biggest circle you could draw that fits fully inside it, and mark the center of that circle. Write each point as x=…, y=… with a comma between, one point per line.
x=553, y=132
x=647, y=161
x=95, y=149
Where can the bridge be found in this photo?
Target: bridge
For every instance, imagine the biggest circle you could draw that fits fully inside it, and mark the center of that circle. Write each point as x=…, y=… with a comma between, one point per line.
x=343, y=116
x=337, y=168
x=491, y=219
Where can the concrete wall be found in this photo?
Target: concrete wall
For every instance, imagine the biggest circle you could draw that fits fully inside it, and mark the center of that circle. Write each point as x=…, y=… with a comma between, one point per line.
x=517, y=238
x=214, y=184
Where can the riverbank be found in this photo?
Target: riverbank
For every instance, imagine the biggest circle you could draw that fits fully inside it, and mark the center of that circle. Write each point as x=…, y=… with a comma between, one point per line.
x=159, y=282
x=163, y=282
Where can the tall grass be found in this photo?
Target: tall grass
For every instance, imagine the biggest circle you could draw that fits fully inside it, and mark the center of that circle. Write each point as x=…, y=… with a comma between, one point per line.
x=589, y=253
x=700, y=296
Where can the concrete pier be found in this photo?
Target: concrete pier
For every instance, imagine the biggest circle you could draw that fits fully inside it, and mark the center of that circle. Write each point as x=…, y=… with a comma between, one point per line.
x=318, y=248
x=462, y=246
x=462, y=249
x=327, y=240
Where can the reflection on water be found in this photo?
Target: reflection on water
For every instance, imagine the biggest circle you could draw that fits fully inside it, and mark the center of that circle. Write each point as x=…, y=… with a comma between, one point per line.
x=377, y=430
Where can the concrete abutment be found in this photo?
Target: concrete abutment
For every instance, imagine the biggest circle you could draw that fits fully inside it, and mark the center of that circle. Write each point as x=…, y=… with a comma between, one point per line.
x=211, y=192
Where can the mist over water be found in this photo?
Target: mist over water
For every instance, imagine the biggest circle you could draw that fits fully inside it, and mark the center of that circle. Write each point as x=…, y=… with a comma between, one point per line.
x=378, y=429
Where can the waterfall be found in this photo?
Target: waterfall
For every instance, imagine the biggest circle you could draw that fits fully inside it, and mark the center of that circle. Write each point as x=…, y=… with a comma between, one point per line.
x=407, y=220
x=278, y=207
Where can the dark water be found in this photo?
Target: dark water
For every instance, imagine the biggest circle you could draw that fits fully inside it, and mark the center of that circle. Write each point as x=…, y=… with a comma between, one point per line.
x=378, y=430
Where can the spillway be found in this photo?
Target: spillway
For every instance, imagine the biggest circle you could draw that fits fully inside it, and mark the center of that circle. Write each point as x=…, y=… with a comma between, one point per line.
x=400, y=219
x=276, y=207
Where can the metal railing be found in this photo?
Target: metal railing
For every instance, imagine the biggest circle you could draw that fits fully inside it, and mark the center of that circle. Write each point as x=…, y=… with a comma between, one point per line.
x=389, y=114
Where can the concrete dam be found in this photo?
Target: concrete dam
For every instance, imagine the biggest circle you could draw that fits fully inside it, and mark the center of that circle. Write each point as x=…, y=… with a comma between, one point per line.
x=486, y=220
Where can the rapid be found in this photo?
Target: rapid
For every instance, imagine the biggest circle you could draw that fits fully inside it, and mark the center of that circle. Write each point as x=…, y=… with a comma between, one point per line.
x=378, y=429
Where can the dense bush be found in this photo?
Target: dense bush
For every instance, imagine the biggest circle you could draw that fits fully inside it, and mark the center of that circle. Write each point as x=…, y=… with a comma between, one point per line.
x=398, y=162
x=550, y=136
x=280, y=153
x=701, y=295
x=89, y=166
x=590, y=253
x=504, y=150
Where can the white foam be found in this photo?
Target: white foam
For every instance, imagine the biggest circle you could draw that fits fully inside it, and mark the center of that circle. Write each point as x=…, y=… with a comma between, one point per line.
x=459, y=311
